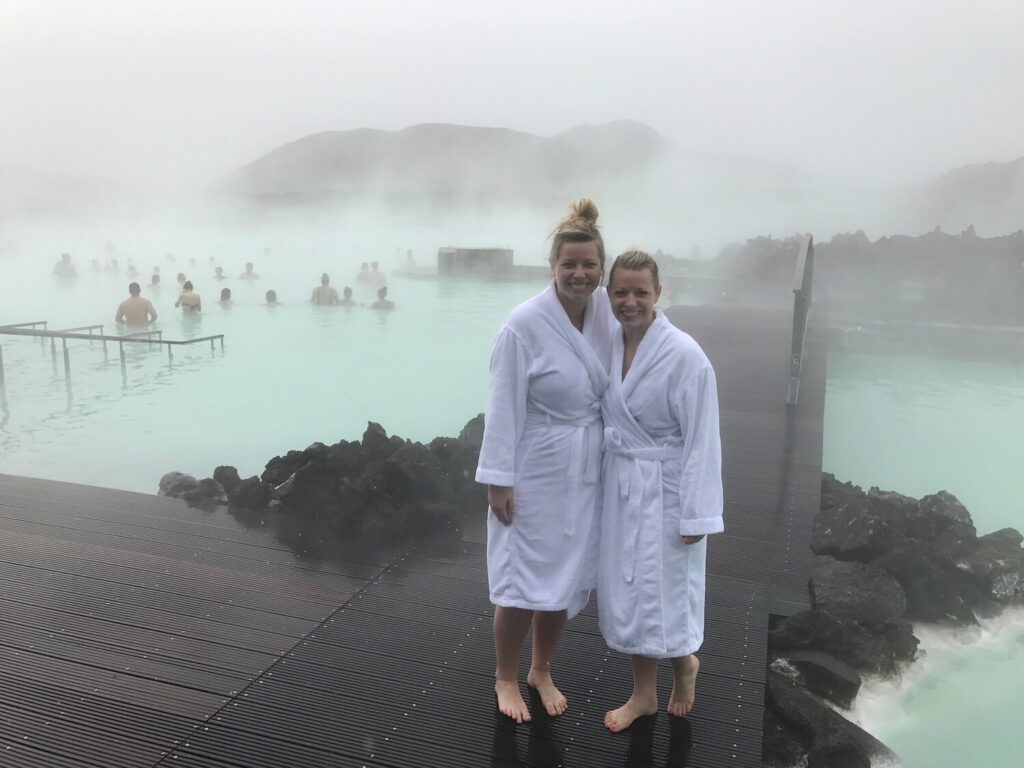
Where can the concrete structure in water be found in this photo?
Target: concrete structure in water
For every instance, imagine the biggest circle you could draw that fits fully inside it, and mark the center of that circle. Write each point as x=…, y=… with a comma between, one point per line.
x=497, y=263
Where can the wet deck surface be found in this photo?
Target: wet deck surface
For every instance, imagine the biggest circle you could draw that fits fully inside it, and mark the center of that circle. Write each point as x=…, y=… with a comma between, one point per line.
x=137, y=632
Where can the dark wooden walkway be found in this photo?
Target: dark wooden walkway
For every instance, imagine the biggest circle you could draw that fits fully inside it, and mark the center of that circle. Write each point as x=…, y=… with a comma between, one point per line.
x=137, y=632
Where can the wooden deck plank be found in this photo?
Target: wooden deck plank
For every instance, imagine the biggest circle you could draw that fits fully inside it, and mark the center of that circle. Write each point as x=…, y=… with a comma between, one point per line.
x=170, y=636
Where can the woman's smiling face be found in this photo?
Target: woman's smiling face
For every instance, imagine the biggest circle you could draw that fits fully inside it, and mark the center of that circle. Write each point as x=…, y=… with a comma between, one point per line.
x=577, y=271
x=633, y=296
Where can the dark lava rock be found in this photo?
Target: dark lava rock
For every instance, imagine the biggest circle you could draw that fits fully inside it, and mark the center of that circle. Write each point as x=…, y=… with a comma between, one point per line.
x=472, y=435
x=942, y=522
x=280, y=468
x=345, y=459
x=307, y=491
x=935, y=589
x=228, y=478
x=882, y=648
x=826, y=676
x=376, y=443
x=993, y=556
x=835, y=493
x=176, y=484
x=251, y=494
x=208, y=493
x=834, y=741
x=863, y=528
x=412, y=473
x=782, y=745
x=856, y=591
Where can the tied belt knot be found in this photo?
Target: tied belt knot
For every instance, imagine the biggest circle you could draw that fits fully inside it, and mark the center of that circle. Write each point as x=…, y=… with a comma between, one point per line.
x=581, y=468
x=632, y=480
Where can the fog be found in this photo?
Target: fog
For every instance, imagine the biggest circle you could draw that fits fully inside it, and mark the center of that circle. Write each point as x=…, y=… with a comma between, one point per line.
x=177, y=93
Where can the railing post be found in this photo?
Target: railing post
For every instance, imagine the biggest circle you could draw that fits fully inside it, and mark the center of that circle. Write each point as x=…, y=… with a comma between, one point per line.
x=67, y=360
x=803, y=278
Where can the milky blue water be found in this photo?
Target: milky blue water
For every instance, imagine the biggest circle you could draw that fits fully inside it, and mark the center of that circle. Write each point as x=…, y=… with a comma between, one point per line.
x=295, y=374
x=916, y=425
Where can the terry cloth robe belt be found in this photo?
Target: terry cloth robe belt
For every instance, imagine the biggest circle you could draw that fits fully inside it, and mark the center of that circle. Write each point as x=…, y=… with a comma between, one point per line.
x=631, y=488
x=581, y=468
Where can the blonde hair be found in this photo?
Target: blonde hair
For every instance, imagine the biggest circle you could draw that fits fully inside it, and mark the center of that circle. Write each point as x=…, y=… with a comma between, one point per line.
x=637, y=260
x=578, y=226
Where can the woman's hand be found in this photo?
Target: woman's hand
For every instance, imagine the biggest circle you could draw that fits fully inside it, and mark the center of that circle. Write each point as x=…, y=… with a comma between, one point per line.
x=692, y=539
x=499, y=497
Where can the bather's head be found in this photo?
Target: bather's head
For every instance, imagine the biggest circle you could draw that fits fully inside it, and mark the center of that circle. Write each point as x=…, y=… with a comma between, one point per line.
x=134, y=289
x=225, y=294
x=271, y=297
x=346, y=292
x=187, y=285
x=382, y=292
x=325, y=279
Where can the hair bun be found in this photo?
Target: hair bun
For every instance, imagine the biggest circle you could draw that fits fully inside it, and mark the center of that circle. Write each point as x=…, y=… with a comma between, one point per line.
x=585, y=209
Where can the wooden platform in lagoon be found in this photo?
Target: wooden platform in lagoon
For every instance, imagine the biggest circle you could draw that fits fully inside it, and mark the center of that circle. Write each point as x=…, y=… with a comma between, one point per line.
x=138, y=632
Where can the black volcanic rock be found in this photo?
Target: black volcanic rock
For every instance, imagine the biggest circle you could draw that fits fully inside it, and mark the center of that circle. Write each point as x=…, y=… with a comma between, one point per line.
x=882, y=648
x=228, y=478
x=207, y=494
x=856, y=591
x=935, y=589
x=176, y=484
x=826, y=676
x=252, y=494
x=472, y=435
x=835, y=493
x=865, y=527
x=834, y=742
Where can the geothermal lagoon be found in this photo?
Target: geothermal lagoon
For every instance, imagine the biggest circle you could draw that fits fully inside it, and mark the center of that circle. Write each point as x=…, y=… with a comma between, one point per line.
x=296, y=373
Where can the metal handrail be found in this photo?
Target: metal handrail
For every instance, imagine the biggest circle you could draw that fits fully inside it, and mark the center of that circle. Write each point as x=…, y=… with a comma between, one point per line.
x=33, y=324
x=139, y=337
x=8, y=330
x=803, y=281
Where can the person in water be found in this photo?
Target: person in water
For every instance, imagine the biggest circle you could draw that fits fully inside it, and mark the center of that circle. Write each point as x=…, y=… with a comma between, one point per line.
x=181, y=281
x=64, y=267
x=323, y=293
x=346, y=299
x=189, y=301
x=271, y=297
x=135, y=310
x=541, y=458
x=383, y=302
x=376, y=278
x=662, y=492
x=225, y=297
x=363, y=277
x=218, y=274
x=248, y=274
x=154, y=283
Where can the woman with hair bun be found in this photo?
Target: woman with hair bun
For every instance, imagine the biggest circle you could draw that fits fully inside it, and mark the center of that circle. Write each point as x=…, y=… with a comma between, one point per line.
x=541, y=459
x=662, y=492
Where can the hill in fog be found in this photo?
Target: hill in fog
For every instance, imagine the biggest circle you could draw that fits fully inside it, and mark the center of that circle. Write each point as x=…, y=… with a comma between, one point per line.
x=448, y=165
x=990, y=197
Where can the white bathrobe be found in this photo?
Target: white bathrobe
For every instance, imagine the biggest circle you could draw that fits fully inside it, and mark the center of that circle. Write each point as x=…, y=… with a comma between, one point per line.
x=662, y=480
x=543, y=437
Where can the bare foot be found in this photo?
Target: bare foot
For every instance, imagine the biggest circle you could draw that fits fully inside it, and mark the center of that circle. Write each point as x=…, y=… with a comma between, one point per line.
x=552, y=699
x=510, y=700
x=620, y=719
x=684, y=686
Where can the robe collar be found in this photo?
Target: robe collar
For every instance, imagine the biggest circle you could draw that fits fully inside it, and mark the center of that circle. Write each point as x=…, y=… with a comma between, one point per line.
x=558, y=320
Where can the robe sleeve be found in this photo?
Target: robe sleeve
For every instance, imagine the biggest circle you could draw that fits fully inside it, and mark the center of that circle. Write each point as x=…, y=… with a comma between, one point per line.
x=505, y=417
x=700, y=485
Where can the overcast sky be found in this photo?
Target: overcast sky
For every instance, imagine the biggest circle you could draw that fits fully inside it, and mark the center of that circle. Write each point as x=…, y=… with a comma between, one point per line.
x=894, y=90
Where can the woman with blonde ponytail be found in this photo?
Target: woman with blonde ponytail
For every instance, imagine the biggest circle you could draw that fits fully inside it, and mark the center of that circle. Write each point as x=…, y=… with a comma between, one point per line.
x=541, y=459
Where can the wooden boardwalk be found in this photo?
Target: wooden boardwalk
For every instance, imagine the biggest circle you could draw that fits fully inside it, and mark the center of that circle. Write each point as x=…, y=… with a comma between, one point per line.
x=135, y=631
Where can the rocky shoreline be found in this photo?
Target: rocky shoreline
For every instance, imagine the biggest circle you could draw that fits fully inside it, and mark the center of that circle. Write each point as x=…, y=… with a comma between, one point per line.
x=882, y=561
x=381, y=490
